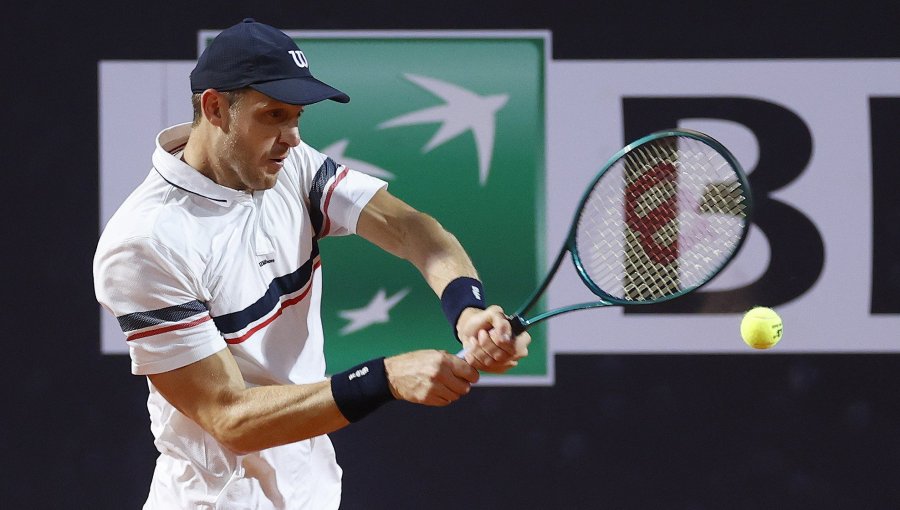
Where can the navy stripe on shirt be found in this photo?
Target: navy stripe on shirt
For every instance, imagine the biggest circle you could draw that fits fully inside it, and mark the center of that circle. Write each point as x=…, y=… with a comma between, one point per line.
x=280, y=286
x=177, y=313
x=316, y=192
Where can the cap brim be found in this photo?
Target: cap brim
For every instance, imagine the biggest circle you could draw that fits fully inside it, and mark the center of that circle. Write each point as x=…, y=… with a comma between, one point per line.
x=300, y=91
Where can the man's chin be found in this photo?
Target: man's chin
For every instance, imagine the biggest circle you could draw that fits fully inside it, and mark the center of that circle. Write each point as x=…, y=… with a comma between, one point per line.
x=269, y=181
x=268, y=177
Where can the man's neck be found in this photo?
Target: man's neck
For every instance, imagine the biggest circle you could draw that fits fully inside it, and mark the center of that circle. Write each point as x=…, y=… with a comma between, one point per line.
x=196, y=153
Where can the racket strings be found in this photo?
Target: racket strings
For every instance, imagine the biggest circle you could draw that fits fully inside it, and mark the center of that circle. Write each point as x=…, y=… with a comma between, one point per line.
x=661, y=220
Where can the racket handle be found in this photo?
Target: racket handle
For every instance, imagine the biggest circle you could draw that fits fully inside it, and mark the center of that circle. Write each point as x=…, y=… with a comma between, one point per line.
x=518, y=324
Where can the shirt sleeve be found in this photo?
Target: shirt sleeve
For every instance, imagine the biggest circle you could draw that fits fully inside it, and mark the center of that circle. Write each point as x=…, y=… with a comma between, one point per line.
x=335, y=194
x=343, y=197
x=159, y=305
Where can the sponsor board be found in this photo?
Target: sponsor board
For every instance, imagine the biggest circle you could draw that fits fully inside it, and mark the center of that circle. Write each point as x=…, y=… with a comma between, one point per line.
x=816, y=136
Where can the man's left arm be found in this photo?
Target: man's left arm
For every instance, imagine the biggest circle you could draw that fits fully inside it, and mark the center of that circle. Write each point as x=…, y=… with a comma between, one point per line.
x=405, y=232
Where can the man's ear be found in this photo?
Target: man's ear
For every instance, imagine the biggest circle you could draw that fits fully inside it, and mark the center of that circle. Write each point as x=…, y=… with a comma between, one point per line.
x=214, y=106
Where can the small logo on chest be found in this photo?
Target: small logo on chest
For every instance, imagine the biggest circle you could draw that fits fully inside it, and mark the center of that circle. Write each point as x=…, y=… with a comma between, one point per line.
x=264, y=262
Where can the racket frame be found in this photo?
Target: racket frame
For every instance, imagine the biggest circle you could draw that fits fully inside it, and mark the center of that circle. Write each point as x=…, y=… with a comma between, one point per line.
x=520, y=323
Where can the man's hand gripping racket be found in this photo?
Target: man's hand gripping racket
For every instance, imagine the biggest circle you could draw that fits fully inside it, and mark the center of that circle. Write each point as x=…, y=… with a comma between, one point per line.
x=663, y=217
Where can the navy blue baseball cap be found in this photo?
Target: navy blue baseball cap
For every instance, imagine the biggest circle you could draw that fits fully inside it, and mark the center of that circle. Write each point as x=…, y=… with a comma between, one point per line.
x=255, y=55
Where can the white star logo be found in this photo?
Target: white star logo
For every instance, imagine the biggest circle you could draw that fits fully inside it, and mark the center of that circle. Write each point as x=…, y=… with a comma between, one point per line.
x=376, y=312
x=462, y=111
x=336, y=151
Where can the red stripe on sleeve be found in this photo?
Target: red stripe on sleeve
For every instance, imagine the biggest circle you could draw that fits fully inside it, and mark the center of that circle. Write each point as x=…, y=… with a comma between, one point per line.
x=337, y=179
x=167, y=329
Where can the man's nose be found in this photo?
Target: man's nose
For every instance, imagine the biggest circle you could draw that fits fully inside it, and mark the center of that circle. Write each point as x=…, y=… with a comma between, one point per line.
x=291, y=136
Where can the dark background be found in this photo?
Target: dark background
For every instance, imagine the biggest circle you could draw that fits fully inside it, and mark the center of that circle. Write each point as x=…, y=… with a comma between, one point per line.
x=625, y=432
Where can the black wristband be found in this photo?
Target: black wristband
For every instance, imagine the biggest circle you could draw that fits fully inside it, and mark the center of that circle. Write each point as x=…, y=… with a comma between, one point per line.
x=459, y=294
x=361, y=389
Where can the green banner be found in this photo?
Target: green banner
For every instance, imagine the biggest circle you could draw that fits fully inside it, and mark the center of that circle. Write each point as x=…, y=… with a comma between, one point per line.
x=456, y=127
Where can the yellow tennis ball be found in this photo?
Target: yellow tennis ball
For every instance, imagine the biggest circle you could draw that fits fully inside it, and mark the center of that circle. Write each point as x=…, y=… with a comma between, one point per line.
x=761, y=327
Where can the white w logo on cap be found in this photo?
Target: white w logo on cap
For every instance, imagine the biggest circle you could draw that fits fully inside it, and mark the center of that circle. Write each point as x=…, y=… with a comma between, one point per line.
x=299, y=58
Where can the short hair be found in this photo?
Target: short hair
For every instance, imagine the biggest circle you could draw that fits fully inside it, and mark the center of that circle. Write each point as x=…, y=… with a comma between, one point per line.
x=233, y=97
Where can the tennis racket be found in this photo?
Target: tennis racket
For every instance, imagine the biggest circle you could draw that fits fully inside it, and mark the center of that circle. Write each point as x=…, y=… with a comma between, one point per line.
x=663, y=217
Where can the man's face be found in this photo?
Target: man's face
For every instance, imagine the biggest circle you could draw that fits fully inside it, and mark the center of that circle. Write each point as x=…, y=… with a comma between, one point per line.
x=255, y=141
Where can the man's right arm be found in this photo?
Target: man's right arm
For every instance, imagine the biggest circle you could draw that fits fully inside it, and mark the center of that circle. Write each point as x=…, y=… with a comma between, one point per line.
x=212, y=393
x=188, y=362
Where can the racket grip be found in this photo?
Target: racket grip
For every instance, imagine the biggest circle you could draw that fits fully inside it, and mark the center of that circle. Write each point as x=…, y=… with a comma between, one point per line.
x=518, y=324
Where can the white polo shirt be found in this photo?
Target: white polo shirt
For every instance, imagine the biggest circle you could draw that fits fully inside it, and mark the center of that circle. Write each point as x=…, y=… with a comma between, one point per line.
x=190, y=267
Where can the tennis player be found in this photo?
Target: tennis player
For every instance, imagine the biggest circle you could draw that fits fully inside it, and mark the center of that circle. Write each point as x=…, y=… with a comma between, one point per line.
x=212, y=268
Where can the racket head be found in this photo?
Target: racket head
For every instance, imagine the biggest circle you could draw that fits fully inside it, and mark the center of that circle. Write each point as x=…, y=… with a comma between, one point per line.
x=661, y=219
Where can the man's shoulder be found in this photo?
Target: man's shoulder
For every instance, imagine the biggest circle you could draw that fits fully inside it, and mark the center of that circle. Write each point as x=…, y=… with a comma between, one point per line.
x=154, y=214
x=137, y=215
